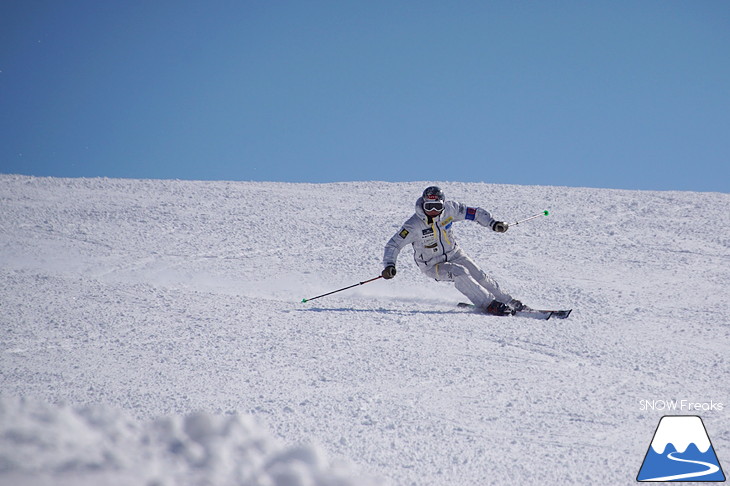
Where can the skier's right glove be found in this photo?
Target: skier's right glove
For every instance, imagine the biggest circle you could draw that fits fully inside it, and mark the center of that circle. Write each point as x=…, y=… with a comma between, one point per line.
x=388, y=272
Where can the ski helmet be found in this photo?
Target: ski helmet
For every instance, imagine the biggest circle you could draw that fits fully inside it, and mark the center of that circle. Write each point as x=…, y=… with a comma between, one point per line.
x=433, y=199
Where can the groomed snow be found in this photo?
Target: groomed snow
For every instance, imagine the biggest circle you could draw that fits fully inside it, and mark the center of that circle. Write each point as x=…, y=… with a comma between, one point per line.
x=153, y=333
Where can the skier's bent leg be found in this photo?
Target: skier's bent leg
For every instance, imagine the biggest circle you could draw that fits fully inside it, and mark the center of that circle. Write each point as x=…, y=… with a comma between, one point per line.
x=464, y=283
x=473, y=291
x=489, y=284
x=492, y=286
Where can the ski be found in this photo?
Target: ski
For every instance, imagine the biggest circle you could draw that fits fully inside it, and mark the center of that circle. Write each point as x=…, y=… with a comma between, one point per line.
x=561, y=314
x=542, y=314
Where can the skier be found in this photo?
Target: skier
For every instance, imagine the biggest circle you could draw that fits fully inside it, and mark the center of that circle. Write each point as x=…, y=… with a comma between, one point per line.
x=438, y=255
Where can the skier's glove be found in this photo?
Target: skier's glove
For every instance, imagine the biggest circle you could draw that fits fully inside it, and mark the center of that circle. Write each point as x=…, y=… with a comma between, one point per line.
x=500, y=226
x=388, y=272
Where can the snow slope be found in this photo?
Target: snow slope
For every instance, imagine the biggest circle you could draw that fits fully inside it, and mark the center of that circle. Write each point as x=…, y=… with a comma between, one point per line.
x=153, y=333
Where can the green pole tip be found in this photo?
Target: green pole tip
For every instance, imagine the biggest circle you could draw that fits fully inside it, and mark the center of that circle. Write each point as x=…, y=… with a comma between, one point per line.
x=546, y=212
x=304, y=300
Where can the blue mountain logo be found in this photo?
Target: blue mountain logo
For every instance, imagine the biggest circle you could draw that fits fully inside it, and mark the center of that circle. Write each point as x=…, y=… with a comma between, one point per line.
x=681, y=451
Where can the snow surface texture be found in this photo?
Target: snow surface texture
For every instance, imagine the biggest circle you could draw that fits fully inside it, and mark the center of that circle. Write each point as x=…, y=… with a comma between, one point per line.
x=152, y=333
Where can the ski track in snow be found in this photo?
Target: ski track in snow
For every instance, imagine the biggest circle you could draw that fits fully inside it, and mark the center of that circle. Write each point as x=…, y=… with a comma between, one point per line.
x=171, y=301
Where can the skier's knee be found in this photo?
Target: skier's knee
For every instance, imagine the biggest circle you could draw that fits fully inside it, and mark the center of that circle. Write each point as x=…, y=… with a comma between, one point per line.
x=449, y=272
x=458, y=271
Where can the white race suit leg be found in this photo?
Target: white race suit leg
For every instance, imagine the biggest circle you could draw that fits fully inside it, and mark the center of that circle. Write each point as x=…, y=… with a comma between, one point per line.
x=469, y=279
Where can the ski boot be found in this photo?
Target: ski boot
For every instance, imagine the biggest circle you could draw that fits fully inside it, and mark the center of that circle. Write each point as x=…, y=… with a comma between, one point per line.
x=496, y=308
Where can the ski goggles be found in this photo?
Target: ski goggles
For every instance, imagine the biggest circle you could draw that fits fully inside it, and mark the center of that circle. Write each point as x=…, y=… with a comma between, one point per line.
x=433, y=206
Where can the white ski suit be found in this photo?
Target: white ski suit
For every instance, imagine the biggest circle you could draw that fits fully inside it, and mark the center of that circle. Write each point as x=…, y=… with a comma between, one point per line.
x=438, y=255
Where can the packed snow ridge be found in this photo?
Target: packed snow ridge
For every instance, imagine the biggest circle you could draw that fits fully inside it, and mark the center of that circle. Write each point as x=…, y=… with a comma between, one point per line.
x=153, y=332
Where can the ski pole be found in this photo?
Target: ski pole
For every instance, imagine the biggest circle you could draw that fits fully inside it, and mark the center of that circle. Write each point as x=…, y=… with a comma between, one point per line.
x=344, y=288
x=541, y=213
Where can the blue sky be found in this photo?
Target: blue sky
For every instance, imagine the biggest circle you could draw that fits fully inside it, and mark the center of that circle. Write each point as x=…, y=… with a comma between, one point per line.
x=619, y=94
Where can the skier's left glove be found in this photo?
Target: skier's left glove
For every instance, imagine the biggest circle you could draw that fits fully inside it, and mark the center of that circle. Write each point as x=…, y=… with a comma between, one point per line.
x=500, y=226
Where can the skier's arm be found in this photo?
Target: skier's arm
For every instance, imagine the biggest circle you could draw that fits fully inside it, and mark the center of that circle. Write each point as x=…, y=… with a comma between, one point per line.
x=483, y=217
x=390, y=255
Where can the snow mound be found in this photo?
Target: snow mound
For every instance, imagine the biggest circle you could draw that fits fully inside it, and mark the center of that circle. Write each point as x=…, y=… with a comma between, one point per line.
x=41, y=443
